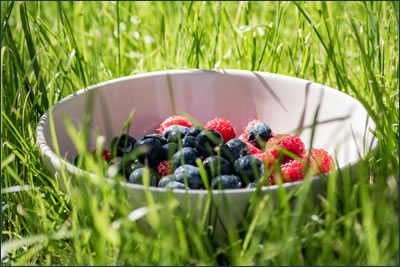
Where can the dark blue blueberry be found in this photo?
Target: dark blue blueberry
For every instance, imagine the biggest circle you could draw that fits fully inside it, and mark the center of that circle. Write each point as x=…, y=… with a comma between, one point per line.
x=226, y=182
x=249, y=168
x=174, y=137
x=165, y=180
x=136, y=177
x=170, y=150
x=150, y=149
x=236, y=148
x=175, y=185
x=252, y=185
x=129, y=167
x=259, y=134
x=189, y=141
x=187, y=154
x=216, y=166
x=191, y=174
x=157, y=136
x=207, y=141
x=173, y=132
x=122, y=144
x=194, y=131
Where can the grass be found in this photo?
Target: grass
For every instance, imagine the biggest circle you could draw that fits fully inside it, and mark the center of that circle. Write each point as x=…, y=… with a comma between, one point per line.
x=50, y=50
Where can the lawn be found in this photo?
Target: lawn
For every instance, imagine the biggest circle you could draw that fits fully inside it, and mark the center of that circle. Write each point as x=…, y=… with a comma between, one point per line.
x=52, y=49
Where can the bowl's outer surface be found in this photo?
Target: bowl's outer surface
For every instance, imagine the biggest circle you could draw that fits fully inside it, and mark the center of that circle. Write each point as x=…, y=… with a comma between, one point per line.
x=283, y=102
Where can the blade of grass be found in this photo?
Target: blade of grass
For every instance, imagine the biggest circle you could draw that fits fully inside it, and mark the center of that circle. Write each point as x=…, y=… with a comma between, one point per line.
x=32, y=53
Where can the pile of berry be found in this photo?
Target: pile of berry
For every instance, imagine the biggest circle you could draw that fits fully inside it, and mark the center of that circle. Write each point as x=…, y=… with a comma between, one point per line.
x=173, y=156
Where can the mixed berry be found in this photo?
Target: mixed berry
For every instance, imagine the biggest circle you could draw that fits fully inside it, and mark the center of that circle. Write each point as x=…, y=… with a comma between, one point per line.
x=173, y=157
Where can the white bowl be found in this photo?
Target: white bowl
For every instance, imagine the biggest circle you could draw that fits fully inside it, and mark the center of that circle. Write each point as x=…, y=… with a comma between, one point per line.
x=283, y=102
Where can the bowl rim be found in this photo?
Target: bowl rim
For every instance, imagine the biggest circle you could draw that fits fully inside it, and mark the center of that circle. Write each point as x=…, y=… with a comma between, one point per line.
x=57, y=162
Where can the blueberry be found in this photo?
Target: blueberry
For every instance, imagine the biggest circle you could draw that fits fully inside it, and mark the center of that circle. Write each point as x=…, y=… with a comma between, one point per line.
x=175, y=185
x=207, y=141
x=189, y=141
x=151, y=150
x=136, y=177
x=129, y=167
x=252, y=185
x=216, y=166
x=122, y=144
x=259, y=134
x=194, y=131
x=236, y=148
x=191, y=174
x=226, y=182
x=174, y=137
x=175, y=131
x=124, y=166
x=170, y=149
x=165, y=180
x=157, y=136
x=249, y=168
x=187, y=154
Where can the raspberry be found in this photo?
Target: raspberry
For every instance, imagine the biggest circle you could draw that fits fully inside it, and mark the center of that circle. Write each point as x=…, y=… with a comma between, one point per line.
x=247, y=128
x=224, y=127
x=164, y=168
x=321, y=160
x=106, y=155
x=253, y=149
x=269, y=162
x=268, y=159
x=292, y=170
x=174, y=120
x=243, y=137
x=287, y=142
x=261, y=155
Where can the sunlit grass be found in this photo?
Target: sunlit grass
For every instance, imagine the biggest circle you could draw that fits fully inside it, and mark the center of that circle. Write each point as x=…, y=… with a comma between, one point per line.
x=52, y=49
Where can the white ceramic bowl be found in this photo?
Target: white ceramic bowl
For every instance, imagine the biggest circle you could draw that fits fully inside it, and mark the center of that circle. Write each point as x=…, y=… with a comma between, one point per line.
x=283, y=102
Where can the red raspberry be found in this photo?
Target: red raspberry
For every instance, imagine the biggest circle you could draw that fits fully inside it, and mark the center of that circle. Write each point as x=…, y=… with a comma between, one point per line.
x=260, y=155
x=253, y=149
x=268, y=159
x=321, y=160
x=243, y=137
x=272, y=178
x=106, y=155
x=287, y=142
x=164, y=168
x=224, y=127
x=174, y=120
x=269, y=162
x=247, y=128
x=292, y=171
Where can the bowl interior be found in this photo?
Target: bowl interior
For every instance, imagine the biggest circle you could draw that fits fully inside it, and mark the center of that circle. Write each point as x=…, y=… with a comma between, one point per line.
x=284, y=103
